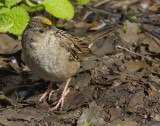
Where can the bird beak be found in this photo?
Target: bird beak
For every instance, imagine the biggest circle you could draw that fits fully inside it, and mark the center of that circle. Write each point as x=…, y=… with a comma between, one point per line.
x=52, y=32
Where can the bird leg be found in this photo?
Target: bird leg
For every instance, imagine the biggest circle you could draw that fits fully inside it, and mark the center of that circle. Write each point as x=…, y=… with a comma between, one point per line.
x=49, y=91
x=64, y=93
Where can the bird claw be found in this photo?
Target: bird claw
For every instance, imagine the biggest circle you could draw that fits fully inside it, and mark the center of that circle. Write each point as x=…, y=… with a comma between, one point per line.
x=60, y=103
x=49, y=92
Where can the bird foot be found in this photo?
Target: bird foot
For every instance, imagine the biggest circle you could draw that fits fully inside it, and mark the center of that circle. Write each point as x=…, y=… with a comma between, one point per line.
x=49, y=92
x=60, y=102
x=64, y=93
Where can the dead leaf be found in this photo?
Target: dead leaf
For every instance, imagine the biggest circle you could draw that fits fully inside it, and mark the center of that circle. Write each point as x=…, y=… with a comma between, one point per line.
x=8, y=45
x=93, y=116
x=130, y=36
x=134, y=66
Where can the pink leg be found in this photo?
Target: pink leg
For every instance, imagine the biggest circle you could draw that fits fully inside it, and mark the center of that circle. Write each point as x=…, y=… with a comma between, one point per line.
x=64, y=93
x=48, y=92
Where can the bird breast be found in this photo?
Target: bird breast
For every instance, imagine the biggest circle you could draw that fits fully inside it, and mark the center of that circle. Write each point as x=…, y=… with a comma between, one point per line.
x=48, y=59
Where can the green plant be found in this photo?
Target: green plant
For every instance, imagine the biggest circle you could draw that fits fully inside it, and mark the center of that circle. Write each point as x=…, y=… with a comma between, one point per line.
x=13, y=19
x=82, y=1
x=14, y=14
x=139, y=24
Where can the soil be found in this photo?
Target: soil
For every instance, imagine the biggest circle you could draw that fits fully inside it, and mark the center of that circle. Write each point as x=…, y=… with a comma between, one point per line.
x=119, y=86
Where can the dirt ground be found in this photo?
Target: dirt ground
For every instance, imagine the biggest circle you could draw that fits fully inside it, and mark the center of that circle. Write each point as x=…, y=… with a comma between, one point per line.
x=119, y=86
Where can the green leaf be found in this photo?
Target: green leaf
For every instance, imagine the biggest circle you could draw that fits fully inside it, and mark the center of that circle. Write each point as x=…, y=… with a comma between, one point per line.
x=20, y=18
x=4, y=10
x=1, y=4
x=32, y=9
x=17, y=17
x=124, y=27
x=139, y=30
x=82, y=1
x=59, y=8
x=10, y=3
x=5, y=28
x=134, y=17
x=28, y=2
x=5, y=23
x=60, y=25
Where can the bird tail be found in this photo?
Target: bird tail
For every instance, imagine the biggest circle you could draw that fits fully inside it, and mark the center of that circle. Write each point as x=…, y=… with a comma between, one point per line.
x=100, y=34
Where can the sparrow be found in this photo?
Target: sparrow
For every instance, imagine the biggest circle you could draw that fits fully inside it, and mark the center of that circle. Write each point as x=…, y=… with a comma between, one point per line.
x=53, y=54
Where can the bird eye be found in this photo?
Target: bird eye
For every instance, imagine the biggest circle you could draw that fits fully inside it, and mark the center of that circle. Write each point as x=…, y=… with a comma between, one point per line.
x=41, y=31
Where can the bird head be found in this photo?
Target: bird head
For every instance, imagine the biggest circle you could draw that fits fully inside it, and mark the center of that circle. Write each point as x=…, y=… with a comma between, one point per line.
x=40, y=22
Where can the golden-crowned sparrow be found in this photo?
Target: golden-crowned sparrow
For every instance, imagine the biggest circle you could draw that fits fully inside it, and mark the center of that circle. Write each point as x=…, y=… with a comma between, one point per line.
x=53, y=54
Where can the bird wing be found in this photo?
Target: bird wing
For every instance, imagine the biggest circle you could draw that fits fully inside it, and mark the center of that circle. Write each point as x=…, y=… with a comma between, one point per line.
x=79, y=48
